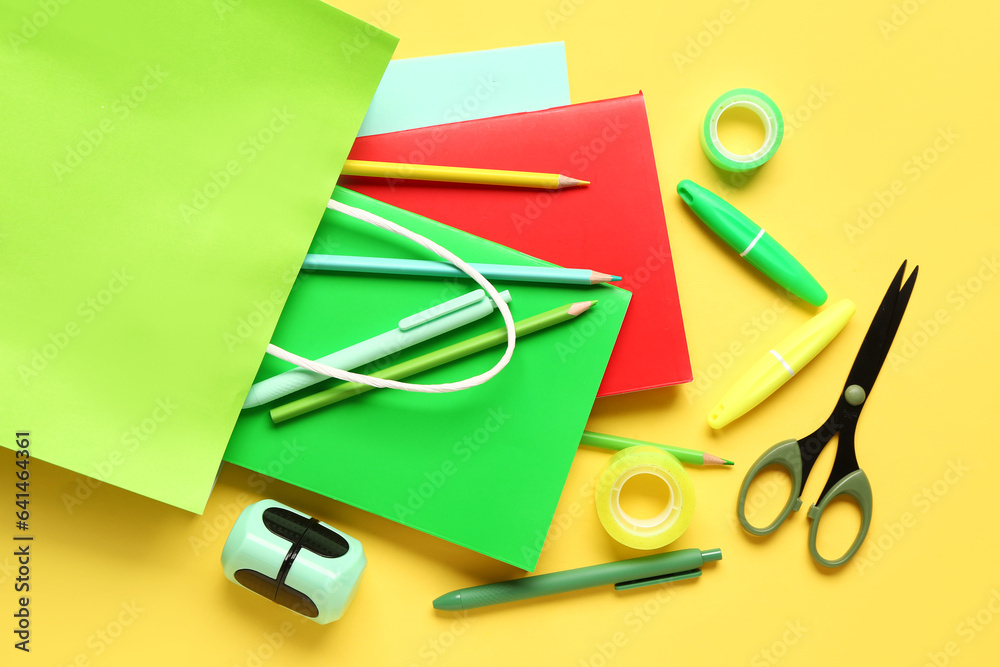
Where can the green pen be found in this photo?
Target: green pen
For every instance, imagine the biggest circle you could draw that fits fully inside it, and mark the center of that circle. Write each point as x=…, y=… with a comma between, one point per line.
x=753, y=243
x=624, y=574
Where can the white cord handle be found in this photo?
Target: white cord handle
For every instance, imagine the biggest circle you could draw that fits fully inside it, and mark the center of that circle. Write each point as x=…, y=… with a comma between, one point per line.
x=340, y=374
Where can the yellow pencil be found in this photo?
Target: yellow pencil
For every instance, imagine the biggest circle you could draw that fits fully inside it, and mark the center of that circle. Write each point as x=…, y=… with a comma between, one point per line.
x=427, y=172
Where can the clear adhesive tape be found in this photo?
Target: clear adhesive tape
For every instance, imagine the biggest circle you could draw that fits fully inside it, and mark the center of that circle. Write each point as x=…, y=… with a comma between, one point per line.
x=766, y=110
x=656, y=531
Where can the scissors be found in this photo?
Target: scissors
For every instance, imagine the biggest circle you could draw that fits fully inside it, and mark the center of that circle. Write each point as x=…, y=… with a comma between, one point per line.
x=846, y=477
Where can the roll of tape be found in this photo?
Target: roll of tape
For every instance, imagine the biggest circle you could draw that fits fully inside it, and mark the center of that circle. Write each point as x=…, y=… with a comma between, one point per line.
x=656, y=531
x=766, y=110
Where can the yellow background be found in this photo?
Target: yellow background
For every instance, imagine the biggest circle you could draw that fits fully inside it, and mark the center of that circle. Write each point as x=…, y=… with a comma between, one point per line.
x=866, y=88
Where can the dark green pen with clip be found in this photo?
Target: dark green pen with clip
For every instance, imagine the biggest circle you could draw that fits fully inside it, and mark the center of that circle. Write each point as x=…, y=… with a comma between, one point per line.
x=753, y=243
x=624, y=574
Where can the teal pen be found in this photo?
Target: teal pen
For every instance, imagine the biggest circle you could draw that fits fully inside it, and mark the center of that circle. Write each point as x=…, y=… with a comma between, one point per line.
x=414, y=329
x=624, y=574
x=753, y=243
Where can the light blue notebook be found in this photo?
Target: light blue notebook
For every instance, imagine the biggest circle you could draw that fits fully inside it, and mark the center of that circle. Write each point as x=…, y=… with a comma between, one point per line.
x=433, y=90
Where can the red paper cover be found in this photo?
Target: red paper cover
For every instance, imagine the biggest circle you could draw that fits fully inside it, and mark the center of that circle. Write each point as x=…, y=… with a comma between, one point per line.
x=615, y=225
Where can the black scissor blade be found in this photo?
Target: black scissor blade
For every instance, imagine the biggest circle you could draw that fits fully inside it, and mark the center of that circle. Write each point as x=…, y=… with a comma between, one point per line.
x=882, y=331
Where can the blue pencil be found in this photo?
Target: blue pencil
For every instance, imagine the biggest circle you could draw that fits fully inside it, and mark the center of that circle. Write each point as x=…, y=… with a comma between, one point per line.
x=417, y=267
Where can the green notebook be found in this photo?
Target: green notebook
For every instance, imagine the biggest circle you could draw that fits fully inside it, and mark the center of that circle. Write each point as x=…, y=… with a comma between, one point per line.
x=165, y=166
x=483, y=468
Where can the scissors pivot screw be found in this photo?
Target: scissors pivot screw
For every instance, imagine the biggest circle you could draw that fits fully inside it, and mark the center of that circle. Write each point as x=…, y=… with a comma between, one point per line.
x=855, y=395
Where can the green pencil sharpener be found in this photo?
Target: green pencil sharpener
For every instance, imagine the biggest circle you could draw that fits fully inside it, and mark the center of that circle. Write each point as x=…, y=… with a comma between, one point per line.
x=294, y=560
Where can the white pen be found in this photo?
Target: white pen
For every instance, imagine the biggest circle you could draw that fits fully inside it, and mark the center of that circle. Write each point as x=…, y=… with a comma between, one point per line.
x=414, y=329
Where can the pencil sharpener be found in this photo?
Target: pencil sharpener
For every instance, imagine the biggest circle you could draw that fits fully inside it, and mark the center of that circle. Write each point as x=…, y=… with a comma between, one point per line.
x=294, y=560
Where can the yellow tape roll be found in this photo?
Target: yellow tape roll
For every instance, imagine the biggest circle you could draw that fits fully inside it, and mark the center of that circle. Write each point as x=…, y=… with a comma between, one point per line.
x=656, y=531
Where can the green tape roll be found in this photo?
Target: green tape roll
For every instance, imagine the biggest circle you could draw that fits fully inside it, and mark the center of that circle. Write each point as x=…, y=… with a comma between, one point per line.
x=766, y=110
x=656, y=531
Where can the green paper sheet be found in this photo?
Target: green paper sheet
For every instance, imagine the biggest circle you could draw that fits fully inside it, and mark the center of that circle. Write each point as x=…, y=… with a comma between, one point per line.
x=165, y=167
x=484, y=467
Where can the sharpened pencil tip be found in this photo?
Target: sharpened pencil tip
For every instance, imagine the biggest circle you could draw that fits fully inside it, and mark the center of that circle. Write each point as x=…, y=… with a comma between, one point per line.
x=713, y=460
x=598, y=277
x=569, y=182
x=579, y=307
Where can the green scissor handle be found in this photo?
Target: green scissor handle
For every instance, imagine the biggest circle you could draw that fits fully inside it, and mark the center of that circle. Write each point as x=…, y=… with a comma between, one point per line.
x=857, y=486
x=787, y=455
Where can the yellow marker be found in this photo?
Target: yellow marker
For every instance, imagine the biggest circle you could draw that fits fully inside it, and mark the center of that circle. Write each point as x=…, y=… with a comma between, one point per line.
x=778, y=366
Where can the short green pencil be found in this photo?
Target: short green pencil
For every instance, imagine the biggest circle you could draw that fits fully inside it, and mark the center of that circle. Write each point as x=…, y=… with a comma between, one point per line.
x=430, y=360
x=692, y=457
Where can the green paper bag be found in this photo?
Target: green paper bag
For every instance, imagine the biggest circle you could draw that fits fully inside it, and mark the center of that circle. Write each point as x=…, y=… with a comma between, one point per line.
x=164, y=168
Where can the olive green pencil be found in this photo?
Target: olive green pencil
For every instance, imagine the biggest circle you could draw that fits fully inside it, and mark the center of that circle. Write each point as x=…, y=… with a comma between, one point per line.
x=430, y=360
x=688, y=456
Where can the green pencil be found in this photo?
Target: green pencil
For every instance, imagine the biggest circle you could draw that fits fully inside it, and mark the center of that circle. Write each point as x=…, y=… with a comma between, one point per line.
x=430, y=360
x=688, y=456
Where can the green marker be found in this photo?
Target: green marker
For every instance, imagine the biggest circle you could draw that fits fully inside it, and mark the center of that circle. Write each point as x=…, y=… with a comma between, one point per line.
x=624, y=574
x=753, y=243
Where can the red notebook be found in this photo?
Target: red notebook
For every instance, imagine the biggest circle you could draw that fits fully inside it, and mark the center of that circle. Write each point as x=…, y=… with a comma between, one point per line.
x=614, y=225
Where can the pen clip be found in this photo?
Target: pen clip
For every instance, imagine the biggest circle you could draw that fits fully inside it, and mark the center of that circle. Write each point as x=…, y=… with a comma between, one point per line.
x=442, y=309
x=659, y=579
